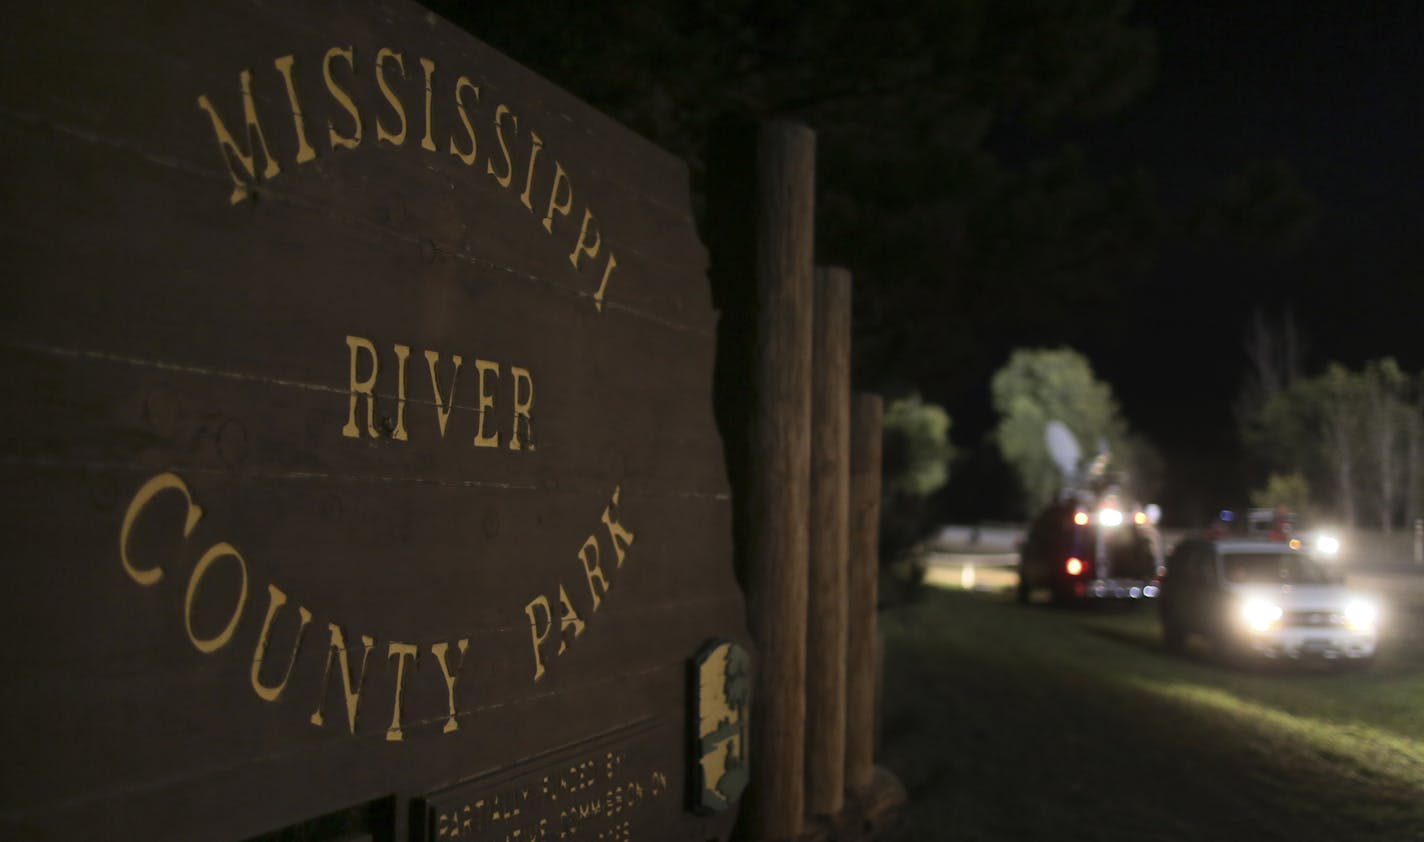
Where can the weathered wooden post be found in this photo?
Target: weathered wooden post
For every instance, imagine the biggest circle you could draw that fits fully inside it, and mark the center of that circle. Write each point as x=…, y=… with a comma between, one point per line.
x=829, y=542
x=867, y=415
x=780, y=475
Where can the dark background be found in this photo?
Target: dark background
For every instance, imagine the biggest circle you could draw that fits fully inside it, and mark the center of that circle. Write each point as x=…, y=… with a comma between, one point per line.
x=1334, y=91
x=1133, y=180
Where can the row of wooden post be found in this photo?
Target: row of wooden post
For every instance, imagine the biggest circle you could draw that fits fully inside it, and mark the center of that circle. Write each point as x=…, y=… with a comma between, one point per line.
x=814, y=486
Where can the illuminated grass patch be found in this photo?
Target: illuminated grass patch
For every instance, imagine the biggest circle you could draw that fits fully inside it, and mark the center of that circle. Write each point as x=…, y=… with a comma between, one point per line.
x=1011, y=722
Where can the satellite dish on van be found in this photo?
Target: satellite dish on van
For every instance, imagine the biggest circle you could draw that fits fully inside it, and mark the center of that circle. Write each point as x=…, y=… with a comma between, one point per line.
x=1062, y=447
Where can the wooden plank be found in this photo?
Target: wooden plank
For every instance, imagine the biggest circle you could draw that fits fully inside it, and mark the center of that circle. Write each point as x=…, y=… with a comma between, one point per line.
x=243, y=445
x=829, y=544
x=780, y=466
x=80, y=71
x=867, y=413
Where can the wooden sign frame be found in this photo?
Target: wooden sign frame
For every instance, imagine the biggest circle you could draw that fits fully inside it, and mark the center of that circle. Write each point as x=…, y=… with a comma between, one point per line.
x=364, y=445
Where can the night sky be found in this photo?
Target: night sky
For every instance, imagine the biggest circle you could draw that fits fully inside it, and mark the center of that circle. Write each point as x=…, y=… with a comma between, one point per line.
x=1333, y=89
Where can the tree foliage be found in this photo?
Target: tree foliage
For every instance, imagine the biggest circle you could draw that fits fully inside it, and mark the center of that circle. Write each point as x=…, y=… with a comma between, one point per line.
x=1356, y=433
x=917, y=447
x=916, y=461
x=1274, y=351
x=1386, y=419
x=1040, y=385
x=1290, y=491
x=955, y=236
x=1265, y=204
x=947, y=179
x=912, y=76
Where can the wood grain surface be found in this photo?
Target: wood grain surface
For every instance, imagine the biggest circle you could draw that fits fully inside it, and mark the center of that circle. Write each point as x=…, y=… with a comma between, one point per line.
x=829, y=543
x=779, y=478
x=867, y=421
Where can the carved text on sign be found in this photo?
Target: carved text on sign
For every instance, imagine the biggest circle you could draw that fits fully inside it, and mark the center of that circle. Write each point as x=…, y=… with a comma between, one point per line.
x=591, y=564
x=248, y=148
x=348, y=658
x=595, y=799
x=485, y=381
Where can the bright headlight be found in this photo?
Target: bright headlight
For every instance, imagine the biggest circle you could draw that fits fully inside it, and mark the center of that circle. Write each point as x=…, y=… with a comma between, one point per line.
x=1361, y=615
x=1110, y=517
x=1327, y=544
x=1260, y=614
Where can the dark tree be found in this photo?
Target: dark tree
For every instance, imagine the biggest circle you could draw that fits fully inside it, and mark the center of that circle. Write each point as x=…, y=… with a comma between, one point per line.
x=959, y=247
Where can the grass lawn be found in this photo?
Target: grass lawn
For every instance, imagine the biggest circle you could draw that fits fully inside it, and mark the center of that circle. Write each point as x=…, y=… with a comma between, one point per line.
x=1011, y=722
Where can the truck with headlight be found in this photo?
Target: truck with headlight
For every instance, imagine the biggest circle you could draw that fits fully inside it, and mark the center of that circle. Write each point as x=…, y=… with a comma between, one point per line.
x=1268, y=599
x=1091, y=547
x=1281, y=524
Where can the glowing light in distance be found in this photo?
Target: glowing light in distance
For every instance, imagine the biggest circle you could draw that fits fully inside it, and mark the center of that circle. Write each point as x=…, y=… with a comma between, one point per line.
x=1327, y=544
x=1081, y=518
x=1140, y=518
x=1361, y=615
x=1110, y=517
x=1295, y=543
x=1260, y=615
x=1074, y=566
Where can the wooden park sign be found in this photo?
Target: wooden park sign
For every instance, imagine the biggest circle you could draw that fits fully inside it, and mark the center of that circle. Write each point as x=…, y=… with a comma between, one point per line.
x=360, y=453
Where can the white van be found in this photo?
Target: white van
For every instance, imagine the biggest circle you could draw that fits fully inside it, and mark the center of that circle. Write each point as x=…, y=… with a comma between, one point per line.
x=1264, y=598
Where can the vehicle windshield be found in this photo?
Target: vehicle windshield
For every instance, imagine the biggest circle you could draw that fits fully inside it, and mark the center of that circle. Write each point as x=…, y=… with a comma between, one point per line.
x=1274, y=568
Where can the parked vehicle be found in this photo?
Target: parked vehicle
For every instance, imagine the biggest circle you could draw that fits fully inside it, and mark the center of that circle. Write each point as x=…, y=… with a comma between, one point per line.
x=1099, y=551
x=1265, y=598
x=1277, y=524
x=1280, y=524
